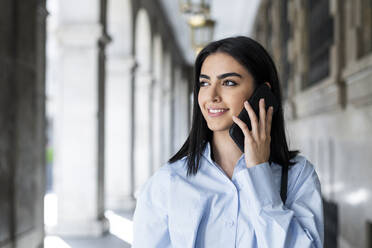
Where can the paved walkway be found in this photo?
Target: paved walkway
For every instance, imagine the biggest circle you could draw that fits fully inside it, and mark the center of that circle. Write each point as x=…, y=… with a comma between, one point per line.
x=110, y=240
x=107, y=241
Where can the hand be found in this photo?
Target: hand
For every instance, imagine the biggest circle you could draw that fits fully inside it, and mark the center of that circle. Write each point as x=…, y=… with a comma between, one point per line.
x=257, y=141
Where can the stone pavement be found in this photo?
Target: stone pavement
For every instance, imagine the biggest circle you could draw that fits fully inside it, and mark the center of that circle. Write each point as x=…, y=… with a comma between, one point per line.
x=109, y=240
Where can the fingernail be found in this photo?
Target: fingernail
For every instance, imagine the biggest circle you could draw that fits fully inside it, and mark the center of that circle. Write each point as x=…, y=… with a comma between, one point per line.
x=245, y=102
x=271, y=108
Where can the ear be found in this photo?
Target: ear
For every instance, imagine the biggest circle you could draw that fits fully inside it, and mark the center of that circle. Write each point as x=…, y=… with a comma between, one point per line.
x=268, y=84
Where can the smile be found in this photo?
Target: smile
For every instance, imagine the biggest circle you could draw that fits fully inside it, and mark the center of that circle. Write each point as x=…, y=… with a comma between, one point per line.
x=216, y=112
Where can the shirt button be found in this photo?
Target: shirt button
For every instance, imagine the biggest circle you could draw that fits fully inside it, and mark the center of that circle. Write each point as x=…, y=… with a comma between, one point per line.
x=230, y=223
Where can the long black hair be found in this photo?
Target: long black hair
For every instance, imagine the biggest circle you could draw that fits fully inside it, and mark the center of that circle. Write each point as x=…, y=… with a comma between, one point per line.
x=258, y=62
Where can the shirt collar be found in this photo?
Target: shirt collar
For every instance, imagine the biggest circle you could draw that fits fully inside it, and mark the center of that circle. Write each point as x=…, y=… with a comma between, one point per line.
x=208, y=155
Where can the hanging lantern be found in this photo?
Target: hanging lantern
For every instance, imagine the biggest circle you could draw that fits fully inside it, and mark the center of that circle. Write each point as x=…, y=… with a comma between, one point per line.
x=193, y=7
x=197, y=13
x=202, y=34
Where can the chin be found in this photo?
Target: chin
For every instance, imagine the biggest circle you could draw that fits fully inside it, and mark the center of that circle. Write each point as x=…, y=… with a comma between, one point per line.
x=218, y=127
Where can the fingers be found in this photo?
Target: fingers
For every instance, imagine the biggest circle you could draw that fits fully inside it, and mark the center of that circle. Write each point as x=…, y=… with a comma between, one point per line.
x=243, y=127
x=261, y=129
x=269, y=120
x=262, y=118
x=252, y=117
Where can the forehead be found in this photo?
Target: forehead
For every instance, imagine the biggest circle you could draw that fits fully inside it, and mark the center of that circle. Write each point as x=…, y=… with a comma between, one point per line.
x=218, y=63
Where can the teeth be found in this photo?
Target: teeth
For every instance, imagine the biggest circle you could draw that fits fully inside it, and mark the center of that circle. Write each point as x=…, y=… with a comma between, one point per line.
x=216, y=110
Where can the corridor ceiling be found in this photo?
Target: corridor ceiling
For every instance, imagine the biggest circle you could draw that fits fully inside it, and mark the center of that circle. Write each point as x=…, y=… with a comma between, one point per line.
x=233, y=17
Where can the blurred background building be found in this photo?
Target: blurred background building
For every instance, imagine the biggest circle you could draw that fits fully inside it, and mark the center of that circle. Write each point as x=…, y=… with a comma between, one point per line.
x=96, y=95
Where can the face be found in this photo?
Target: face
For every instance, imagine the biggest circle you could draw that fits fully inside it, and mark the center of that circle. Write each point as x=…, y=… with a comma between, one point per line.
x=224, y=86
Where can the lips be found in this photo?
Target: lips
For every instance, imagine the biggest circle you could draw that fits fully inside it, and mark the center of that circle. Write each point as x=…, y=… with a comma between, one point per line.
x=214, y=112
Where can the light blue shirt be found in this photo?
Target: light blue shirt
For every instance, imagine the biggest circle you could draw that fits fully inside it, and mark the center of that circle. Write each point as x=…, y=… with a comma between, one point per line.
x=210, y=210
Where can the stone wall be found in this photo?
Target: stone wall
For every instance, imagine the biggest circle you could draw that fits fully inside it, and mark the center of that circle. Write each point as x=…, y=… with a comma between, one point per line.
x=22, y=123
x=330, y=121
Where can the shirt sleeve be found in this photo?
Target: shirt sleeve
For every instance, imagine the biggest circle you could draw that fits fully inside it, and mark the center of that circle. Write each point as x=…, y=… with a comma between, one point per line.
x=150, y=220
x=298, y=223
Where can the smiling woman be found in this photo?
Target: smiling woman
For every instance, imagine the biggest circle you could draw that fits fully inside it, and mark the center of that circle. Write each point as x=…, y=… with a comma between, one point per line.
x=210, y=193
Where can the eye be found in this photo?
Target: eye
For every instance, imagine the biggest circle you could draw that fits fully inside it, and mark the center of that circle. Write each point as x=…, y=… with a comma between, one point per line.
x=202, y=83
x=229, y=83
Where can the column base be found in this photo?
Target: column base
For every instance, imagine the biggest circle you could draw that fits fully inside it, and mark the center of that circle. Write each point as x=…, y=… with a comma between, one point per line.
x=93, y=228
x=121, y=203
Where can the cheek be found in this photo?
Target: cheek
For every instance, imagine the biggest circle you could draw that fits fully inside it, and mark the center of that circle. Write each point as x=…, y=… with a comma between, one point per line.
x=237, y=103
x=200, y=101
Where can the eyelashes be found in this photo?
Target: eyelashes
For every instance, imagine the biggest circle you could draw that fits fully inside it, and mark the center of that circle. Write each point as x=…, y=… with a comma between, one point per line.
x=202, y=83
x=229, y=83
x=225, y=83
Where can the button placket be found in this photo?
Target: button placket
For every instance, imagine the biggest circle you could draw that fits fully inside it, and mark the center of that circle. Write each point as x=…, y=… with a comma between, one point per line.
x=239, y=185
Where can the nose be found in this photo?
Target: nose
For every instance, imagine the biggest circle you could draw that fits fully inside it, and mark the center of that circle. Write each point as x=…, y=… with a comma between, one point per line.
x=216, y=99
x=215, y=94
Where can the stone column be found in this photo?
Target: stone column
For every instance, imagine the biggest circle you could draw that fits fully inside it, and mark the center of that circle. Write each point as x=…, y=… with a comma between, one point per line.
x=300, y=39
x=337, y=56
x=276, y=33
x=181, y=110
x=120, y=64
x=157, y=109
x=188, y=75
x=157, y=115
x=142, y=145
x=117, y=145
x=76, y=125
x=297, y=44
x=351, y=32
x=166, y=109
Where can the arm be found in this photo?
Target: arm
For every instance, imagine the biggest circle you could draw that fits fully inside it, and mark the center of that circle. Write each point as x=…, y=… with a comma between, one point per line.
x=299, y=223
x=150, y=220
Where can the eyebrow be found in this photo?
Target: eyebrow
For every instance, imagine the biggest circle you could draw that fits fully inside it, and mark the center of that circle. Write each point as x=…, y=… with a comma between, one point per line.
x=229, y=74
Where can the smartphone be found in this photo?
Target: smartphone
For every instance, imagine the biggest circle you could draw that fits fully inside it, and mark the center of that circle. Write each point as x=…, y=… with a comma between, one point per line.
x=263, y=91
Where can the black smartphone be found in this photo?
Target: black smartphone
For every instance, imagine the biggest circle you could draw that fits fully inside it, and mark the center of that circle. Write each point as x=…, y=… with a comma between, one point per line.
x=263, y=91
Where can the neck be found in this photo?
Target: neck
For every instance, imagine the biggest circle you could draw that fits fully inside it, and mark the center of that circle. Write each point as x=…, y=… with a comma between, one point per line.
x=225, y=152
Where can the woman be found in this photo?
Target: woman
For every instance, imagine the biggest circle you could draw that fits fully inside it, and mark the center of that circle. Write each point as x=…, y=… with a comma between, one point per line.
x=210, y=194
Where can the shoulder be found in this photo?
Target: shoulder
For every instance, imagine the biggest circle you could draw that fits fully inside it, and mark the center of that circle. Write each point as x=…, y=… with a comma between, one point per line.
x=302, y=168
x=302, y=176
x=157, y=186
